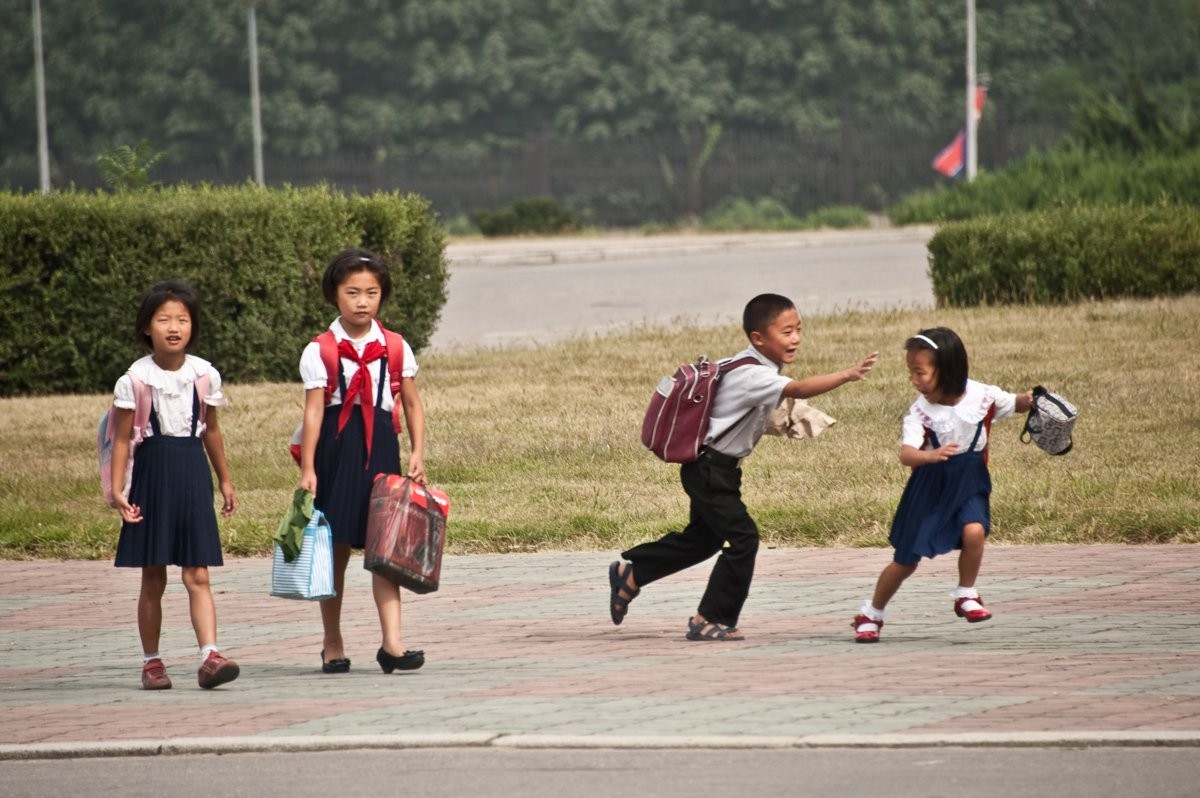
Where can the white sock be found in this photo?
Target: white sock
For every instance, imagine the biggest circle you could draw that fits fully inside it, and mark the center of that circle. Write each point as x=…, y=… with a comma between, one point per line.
x=204, y=652
x=869, y=610
x=147, y=657
x=964, y=592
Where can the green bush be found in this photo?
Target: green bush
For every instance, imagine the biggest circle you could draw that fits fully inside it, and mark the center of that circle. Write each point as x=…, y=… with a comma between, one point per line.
x=1066, y=255
x=73, y=266
x=771, y=215
x=1068, y=176
x=838, y=217
x=533, y=216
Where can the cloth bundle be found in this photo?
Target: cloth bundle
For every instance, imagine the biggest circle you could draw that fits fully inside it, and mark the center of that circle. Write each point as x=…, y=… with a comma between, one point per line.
x=302, y=566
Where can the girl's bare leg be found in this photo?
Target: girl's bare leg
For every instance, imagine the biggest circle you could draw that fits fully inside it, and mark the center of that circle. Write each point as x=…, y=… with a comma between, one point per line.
x=971, y=557
x=200, y=603
x=387, y=601
x=889, y=582
x=331, y=608
x=149, y=611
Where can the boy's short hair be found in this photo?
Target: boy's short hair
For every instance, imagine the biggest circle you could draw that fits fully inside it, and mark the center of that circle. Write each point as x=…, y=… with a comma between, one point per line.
x=949, y=357
x=351, y=261
x=762, y=310
x=158, y=295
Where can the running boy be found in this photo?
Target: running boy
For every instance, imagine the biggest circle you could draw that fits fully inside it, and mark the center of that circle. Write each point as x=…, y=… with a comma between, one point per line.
x=718, y=516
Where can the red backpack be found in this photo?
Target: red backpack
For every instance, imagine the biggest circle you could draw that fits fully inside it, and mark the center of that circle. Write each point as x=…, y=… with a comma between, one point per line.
x=680, y=408
x=393, y=343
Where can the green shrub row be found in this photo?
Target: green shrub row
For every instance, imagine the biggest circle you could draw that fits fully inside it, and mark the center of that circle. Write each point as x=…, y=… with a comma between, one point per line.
x=1067, y=255
x=74, y=265
x=767, y=213
x=1065, y=177
x=531, y=216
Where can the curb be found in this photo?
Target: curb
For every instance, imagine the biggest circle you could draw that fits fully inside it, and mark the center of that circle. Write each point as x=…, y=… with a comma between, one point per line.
x=546, y=252
x=242, y=745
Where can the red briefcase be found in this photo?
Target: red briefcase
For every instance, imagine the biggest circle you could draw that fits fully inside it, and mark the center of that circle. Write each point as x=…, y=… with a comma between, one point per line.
x=406, y=532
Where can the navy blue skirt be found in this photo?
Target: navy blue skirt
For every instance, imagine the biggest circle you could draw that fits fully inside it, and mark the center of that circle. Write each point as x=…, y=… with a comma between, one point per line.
x=938, y=501
x=173, y=486
x=344, y=477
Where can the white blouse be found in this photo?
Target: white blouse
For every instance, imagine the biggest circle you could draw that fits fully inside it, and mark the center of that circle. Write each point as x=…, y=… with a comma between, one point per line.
x=312, y=370
x=957, y=423
x=171, y=393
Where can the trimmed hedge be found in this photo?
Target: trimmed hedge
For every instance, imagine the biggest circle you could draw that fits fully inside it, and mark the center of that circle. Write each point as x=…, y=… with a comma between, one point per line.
x=1063, y=178
x=1067, y=255
x=74, y=265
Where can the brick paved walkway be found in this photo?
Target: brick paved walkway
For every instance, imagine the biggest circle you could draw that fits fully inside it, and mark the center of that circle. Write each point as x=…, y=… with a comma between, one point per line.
x=1087, y=643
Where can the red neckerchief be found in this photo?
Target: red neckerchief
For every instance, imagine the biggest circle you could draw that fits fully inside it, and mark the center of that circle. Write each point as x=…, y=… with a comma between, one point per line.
x=359, y=386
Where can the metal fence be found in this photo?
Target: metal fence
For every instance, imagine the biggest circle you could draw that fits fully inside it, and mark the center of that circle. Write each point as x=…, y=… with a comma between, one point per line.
x=635, y=180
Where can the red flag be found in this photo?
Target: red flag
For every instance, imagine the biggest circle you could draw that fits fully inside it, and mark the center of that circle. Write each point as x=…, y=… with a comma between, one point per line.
x=951, y=160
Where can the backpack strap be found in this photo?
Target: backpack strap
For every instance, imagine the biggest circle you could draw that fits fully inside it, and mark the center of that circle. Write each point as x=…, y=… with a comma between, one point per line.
x=394, y=343
x=143, y=405
x=203, y=386
x=329, y=357
x=724, y=369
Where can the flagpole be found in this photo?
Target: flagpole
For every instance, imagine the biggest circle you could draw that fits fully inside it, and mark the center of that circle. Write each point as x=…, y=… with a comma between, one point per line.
x=972, y=117
x=39, y=79
x=255, y=101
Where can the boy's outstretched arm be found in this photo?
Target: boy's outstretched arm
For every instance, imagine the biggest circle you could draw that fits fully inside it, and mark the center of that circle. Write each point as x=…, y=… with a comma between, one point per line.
x=824, y=383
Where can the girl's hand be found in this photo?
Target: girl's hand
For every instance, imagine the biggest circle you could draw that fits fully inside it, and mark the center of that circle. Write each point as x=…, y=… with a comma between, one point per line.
x=942, y=453
x=130, y=513
x=308, y=482
x=230, y=506
x=416, y=469
x=1024, y=402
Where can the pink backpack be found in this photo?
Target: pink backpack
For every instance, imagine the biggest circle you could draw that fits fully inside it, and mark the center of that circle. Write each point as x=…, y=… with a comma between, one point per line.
x=677, y=419
x=143, y=404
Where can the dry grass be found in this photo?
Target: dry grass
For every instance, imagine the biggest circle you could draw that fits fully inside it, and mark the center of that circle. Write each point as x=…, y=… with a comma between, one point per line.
x=539, y=448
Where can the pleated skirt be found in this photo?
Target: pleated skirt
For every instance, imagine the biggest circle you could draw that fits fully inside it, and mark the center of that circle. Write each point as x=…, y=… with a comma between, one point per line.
x=344, y=475
x=938, y=501
x=173, y=487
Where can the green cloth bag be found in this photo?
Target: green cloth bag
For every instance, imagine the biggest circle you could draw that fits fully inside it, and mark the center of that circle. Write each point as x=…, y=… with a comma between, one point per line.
x=290, y=534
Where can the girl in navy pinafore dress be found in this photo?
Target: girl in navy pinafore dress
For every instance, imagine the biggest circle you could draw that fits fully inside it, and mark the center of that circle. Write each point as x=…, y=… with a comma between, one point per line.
x=345, y=444
x=167, y=509
x=945, y=505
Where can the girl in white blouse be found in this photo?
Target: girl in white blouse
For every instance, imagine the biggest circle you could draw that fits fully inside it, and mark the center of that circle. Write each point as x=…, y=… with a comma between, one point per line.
x=167, y=509
x=945, y=505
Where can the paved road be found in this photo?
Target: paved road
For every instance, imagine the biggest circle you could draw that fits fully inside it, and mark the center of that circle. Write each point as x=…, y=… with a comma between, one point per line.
x=1088, y=646
x=521, y=292
x=599, y=773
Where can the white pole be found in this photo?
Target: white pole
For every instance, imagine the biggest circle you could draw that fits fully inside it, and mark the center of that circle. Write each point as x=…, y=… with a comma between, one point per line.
x=255, y=104
x=39, y=79
x=972, y=118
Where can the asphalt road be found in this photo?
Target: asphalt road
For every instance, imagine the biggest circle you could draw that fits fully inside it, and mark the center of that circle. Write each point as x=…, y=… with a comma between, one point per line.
x=528, y=292
x=582, y=773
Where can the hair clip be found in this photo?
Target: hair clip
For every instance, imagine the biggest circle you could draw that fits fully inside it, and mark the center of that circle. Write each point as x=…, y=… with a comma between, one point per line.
x=926, y=339
x=363, y=259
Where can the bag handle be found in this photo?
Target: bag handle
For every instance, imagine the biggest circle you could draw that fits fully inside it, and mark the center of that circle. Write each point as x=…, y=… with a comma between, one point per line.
x=1026, y=434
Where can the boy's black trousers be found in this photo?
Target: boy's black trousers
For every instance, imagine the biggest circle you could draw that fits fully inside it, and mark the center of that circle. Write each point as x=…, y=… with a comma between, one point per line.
x=718, y=517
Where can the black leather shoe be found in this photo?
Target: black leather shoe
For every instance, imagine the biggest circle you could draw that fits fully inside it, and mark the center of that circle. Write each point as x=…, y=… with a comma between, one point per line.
x=334, y=665
x=409, y=661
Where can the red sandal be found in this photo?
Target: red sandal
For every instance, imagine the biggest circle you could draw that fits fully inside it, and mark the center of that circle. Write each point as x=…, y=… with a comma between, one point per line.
x=866, y=635
x=972, y=615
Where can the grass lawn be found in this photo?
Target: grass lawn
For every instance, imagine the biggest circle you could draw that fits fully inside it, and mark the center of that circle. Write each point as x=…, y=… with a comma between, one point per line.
x=539, y=449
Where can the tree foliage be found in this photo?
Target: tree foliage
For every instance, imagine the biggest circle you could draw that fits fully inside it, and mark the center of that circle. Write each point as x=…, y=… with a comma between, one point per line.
x=379, y=78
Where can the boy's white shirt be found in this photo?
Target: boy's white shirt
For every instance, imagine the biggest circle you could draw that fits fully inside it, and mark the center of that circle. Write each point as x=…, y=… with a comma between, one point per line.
x=171, y=393
x=755, y=390
x=312, y=370
x=957, y=423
